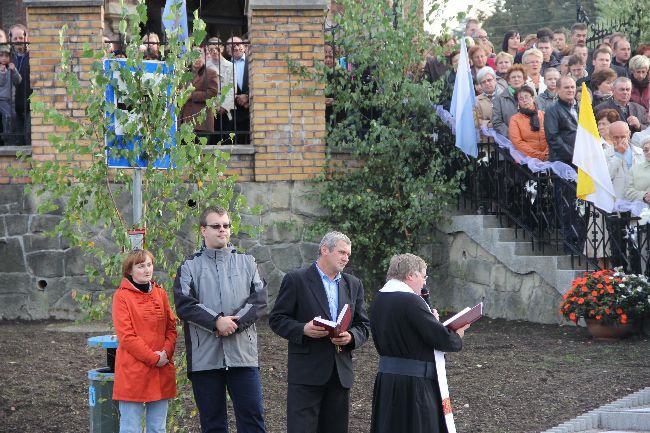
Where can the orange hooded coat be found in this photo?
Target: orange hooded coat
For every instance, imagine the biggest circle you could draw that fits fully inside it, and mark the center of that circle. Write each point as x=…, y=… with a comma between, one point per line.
x=144, y=323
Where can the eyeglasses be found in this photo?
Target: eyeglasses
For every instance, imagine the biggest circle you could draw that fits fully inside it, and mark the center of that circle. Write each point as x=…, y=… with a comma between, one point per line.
x=218, y=226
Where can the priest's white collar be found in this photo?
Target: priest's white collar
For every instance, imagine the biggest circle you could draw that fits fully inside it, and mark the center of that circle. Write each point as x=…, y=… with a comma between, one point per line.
x=396, y=286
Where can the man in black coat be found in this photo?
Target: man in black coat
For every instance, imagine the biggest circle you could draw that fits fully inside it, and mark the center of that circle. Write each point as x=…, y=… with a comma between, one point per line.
x=561, y=122
x=560, y=128
x=320, y=372
x=241, y=113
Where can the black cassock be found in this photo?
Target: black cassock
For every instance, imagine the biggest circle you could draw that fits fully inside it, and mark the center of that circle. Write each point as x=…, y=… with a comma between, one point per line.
x=403, y=326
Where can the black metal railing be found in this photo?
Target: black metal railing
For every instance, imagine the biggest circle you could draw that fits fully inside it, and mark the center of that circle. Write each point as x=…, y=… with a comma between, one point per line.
x=600, y=29
x=542, y=209
x=231, y=124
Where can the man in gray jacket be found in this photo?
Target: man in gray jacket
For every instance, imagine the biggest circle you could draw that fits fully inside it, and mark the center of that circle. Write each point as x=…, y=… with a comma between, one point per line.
x=219, y=295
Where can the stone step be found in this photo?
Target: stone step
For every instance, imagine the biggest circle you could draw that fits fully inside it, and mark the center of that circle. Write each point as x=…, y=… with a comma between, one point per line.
x=630, y=414
x=635, y=418
x=490, y=221
x=616, y=431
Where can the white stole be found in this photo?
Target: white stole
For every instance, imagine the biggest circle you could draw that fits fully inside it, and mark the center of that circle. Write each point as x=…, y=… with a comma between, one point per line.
x=399, y=286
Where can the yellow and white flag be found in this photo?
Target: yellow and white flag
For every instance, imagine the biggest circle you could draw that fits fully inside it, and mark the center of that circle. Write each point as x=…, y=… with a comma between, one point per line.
x=594, y=183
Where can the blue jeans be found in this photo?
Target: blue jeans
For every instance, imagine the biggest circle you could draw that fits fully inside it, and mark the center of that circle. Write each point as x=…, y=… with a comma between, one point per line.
x=154, y=413
x=245, y=390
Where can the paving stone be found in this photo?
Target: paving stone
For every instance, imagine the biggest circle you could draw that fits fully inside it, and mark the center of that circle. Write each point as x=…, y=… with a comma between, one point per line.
x=16, y=225
x=41, y=242
x=46, y=263
x=261, y=253
x=15, y=283
x=305, y=200
x=11, y=252
x=43, y=223
x=286, y=257
x=75, y=262
x=309, y=252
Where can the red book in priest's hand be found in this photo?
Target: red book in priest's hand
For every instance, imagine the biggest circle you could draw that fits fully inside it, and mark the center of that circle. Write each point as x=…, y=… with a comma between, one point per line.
x=341, y=325
x=464, y=317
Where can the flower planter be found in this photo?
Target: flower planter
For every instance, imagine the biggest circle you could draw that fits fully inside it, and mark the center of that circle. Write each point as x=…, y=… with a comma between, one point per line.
x=609, y=331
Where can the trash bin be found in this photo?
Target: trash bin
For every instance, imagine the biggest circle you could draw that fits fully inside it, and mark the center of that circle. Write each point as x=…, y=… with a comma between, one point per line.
x=104, y=412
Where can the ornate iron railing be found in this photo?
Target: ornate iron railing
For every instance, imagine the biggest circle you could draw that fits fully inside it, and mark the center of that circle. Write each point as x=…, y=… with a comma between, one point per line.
x=542, y=209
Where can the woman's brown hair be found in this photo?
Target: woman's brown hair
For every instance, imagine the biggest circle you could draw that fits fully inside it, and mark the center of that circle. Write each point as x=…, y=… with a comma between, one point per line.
x=517, y=67
x=608, y=113
x=133, y=258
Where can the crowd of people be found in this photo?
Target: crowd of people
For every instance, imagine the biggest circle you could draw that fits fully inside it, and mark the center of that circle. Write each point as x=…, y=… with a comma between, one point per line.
x=219, y=295
x=221, y=70
x=223, y=65
x=531, y=93
x=15, y=87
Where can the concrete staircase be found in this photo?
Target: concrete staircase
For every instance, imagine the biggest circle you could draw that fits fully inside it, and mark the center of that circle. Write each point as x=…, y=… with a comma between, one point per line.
x=514, y=251
x=630, y=414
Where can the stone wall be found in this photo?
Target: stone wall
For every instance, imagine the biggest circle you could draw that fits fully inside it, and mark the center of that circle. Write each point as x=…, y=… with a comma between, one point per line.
x=39, y=273
x=464, y=274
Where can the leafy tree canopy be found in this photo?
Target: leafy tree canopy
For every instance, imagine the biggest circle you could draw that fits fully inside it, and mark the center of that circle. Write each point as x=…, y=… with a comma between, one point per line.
x=527, y=16
x=386, y=120
x=78, y=183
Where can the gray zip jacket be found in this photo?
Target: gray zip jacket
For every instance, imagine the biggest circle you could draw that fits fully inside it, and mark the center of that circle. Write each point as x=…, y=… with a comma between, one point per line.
x=216, y=282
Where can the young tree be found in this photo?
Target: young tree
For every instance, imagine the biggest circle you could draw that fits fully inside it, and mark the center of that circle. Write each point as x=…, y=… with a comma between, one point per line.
x=385, y=117
x=527, y=16
x=87, y=194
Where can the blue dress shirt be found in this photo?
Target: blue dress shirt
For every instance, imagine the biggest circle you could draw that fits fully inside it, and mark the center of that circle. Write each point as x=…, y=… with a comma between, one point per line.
x=332, y=292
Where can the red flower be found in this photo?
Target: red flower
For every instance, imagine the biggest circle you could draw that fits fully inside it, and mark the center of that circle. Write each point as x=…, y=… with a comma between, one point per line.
x=598, y=317
x=573, y=317
x=610, y=289
x=594, y=293
x=623, y=318
x=585, y=289
x=581, y=301
x=619, y=311
x=600, y=286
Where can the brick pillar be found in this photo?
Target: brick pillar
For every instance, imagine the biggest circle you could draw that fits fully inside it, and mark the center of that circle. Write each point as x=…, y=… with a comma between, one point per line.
x=287, y=117
x=45, y=18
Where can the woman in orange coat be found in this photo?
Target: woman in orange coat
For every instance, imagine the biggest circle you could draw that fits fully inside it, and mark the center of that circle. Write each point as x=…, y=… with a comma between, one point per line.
x=145, y=377
x=526, y=130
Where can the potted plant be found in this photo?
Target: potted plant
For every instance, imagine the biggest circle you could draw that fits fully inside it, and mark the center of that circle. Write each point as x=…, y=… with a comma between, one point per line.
x=609, y=301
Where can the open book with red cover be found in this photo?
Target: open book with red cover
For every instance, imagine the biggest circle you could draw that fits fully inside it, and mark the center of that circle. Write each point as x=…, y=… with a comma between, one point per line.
x=341, y=325
x=464, y=317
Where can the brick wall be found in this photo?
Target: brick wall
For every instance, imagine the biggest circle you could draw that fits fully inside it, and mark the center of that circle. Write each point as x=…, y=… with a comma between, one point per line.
x=85, y=25
x=287, y=114
x=44, y=21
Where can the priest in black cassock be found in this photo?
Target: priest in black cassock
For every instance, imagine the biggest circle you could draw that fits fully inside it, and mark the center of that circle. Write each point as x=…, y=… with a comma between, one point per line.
x=406, y=397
